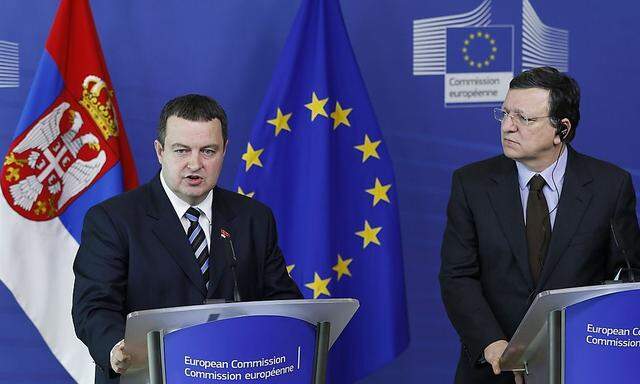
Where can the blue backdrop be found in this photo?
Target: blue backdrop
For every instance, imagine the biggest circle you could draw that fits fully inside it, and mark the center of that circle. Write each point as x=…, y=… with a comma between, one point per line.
x=229, y=48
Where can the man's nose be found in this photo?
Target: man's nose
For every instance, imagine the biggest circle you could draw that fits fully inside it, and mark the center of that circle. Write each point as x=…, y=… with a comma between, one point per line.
x=195, y=162
x=508, y=125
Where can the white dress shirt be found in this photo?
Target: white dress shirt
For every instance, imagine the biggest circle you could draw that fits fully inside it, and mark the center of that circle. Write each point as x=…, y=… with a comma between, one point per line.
x=554, y=177
x=180, y=206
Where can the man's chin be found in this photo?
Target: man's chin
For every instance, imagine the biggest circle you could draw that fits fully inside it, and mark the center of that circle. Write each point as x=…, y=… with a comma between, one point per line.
x=510, y=153
x=194, y=196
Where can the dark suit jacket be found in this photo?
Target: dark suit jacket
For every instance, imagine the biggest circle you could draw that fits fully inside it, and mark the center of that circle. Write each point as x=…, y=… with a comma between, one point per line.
x=485, y=278
x=134, y=255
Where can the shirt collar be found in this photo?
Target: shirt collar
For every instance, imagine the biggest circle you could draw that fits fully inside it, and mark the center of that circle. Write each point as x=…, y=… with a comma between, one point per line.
x=525, y=174
x=180, y=206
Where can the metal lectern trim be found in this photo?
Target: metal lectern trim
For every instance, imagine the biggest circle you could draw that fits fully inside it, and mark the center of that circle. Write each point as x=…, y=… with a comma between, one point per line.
x=323, y=330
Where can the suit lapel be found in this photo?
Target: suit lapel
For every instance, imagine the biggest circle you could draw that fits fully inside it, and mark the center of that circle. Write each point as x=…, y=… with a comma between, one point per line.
x=170, y=234
x=223, y=217
x=574, y=200
x=504, y=195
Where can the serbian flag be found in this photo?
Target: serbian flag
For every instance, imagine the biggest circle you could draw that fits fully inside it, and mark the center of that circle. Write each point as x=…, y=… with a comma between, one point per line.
x=69, y=152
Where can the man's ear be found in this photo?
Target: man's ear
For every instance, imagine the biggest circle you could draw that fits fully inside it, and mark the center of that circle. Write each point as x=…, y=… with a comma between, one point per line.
x=562, y=131
x=159, y=150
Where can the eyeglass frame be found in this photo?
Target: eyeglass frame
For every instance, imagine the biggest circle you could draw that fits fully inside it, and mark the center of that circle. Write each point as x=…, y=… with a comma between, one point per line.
x=516, y=118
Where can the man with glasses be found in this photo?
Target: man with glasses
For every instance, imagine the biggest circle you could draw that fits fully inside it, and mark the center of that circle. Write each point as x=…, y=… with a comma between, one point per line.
x=539, y=217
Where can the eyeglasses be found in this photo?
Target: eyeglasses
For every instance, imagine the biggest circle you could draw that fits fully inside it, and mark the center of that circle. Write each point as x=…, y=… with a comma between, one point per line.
x=518, y=118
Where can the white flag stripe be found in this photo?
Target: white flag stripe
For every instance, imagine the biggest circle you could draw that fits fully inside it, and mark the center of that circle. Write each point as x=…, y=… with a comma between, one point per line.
x=47, y=250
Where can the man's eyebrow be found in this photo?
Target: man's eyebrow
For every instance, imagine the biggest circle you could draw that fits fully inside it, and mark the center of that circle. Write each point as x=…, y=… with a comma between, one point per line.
x=212, y=146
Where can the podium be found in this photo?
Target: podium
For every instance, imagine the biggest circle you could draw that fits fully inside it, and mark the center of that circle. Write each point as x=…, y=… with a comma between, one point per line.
x=284, y=341
x=579, y=335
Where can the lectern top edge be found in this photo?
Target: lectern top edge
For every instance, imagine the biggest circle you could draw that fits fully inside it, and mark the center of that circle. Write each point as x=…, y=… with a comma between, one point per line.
x=244, y=304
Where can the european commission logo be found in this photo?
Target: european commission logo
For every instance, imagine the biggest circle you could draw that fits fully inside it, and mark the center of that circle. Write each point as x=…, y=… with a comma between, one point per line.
x=477, y=57
x=479, y=63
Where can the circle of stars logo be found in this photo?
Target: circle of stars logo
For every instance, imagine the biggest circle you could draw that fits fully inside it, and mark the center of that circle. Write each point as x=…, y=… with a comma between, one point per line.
x=479, y=37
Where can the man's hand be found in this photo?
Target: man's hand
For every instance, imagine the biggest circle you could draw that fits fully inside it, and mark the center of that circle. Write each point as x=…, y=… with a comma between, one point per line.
x=120, y=359
x=493, y=352
x=519, y=378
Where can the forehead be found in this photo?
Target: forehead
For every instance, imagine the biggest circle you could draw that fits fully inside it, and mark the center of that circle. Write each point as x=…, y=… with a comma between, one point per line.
x=527, y=100
x=189, y=132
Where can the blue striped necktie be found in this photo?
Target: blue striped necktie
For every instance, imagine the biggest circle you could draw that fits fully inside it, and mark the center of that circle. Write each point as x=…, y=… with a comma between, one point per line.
x=198, y=242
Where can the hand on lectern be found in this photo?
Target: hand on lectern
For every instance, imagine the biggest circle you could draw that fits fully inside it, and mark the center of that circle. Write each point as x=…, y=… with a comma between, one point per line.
x=493, y=352
x=120, y=359
x=519, y=378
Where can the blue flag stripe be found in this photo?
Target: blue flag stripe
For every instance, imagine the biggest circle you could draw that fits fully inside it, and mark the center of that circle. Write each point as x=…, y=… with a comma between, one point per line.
x=47, y=85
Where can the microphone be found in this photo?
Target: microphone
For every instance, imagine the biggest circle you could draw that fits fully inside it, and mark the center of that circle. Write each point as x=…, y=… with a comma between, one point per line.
x=233, y=261
x=623, y=252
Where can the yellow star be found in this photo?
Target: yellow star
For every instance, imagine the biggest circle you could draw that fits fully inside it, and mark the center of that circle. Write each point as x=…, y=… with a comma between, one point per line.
x=339, y=116
x=379, y=192
x=252, y=157
x=342, y=268
x=248, y=194
x=369, y=235
x=319, y=286
x=290, y=268
x=368, y=148
x=281, y=122
x=317, y=106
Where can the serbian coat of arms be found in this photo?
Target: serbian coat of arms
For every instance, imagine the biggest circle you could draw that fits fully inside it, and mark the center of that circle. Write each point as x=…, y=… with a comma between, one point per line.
x=62, y=153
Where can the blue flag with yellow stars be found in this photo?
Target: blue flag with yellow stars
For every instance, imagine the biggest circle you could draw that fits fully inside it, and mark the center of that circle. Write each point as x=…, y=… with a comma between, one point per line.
x=317, y=158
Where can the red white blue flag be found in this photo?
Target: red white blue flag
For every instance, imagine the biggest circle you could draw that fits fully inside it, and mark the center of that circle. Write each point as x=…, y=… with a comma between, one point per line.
x=69, y=152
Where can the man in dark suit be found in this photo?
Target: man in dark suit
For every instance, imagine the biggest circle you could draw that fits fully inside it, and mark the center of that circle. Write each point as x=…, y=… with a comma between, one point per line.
x=170, y=242
x=538, y=217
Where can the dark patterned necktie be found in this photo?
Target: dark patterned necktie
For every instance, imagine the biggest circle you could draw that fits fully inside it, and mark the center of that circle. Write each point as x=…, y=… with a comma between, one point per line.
x=538, y=226
x=198, y=242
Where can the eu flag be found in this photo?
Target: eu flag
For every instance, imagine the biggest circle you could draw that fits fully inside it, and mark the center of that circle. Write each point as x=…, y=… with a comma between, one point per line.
x=316, y=156
x=480, y=49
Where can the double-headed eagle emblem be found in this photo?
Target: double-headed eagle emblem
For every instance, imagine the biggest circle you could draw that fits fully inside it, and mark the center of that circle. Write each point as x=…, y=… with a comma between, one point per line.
x=49, y=166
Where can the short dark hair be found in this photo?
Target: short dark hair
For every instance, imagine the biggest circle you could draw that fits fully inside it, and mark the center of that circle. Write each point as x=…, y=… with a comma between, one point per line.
x=564, y=94
x=193, y=108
